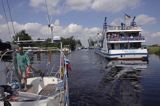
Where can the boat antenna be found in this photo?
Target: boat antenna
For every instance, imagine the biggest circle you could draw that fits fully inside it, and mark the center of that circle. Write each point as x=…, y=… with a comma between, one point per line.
x=133, y=23
x=6, y=19
x=49, y=20
x=104, y=34
x=105, y=27
x=105, y=24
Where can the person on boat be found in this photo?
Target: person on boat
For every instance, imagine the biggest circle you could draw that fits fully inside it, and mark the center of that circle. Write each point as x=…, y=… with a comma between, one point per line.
x=23, y=65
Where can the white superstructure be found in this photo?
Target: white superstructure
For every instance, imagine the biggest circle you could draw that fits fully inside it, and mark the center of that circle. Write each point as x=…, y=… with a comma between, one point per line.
x=123, y=42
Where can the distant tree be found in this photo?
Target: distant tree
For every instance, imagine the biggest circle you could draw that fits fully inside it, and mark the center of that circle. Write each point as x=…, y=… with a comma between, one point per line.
x=91, y=42
x=22, y=35
x=48, y=40
x=48, y=43
x=71, y=42
x=78, y=42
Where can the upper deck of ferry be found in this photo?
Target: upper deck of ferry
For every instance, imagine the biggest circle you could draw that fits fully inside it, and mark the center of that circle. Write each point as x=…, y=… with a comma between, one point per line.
x=123, y=28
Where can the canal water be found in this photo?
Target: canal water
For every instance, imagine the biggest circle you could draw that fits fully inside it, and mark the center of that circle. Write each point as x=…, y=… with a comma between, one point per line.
x=94, y=81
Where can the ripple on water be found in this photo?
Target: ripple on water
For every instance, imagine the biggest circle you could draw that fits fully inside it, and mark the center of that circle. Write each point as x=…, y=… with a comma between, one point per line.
x=89, y=97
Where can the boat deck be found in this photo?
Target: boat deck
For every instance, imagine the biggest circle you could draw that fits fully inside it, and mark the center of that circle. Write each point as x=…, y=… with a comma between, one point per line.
x=47, y=91
x=50, y=89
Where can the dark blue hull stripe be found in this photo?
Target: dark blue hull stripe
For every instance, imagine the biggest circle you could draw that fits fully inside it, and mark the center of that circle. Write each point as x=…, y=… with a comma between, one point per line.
x=126, y=54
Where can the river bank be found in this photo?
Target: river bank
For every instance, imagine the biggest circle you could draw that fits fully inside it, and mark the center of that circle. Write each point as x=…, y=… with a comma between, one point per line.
x=154, y=50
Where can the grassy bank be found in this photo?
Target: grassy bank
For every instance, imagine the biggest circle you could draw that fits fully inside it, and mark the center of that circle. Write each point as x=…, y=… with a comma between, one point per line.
x=154, y=50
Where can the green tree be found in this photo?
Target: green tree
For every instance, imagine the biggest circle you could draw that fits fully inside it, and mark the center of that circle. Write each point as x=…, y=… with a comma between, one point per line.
x=22, y=35
x=91, y=42
x=78, y=42
x=48, y=43
x=71, y=42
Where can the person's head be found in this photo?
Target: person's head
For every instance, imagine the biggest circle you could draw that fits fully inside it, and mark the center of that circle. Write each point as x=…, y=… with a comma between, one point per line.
x=20, y=49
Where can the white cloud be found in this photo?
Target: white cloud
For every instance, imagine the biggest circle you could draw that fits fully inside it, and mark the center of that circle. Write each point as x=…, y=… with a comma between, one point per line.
x=151, y=37
x=2, y=20
x=80, y=32
x=156, y=34
x=53, y=5
x=36, y=3
x=145, y=19
x=101, y=5
x=116, y=21
x=37, y=30
x=79, y=4
x=57, y=22
x=1, y=17
x=62, y=6
x=74, y=28
x=113, y=5
x=141, y=19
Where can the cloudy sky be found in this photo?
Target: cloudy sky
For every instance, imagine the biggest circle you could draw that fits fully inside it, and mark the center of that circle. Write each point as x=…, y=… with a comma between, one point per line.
x=79, y=18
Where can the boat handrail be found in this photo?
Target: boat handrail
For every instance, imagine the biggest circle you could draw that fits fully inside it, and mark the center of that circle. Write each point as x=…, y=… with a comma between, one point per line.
x=126, y=38
x=110, y=27
x=8, y=51
x=64, y=78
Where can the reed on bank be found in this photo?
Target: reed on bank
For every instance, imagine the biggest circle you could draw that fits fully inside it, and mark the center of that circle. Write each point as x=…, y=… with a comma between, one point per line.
x=154, y=50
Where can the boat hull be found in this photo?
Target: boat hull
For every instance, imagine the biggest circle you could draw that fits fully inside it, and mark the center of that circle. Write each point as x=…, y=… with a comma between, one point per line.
x=47, y=102
x=124, y=54
x=34, y=97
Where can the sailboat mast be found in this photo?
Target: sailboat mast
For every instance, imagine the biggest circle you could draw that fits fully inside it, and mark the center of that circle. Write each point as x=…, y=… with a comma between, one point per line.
x=49, y=21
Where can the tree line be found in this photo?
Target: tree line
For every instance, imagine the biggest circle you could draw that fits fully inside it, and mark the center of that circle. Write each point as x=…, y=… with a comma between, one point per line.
x=70, y=42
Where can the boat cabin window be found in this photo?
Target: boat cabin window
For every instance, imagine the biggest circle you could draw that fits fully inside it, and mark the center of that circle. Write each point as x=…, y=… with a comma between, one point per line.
x=112, y=46
x=124, y=46
x=135, y=45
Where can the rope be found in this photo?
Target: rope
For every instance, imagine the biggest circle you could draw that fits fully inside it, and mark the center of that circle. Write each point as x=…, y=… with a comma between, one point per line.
x=6, y=17
x=11, y=17
x=49, y=20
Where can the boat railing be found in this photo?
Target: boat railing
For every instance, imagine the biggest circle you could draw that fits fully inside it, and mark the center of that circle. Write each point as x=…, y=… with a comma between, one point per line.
x=123, y=27
x=9, y=67
x=62, y=74
x=126, y=38
x=6, y=55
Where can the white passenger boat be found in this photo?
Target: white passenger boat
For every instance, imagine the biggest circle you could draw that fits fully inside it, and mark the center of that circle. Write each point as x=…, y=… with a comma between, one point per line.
x=122, y=42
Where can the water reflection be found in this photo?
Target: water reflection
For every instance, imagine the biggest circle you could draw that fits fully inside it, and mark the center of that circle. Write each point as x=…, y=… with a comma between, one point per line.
x=96, y=81
x=131, y=64
x=122, y=81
